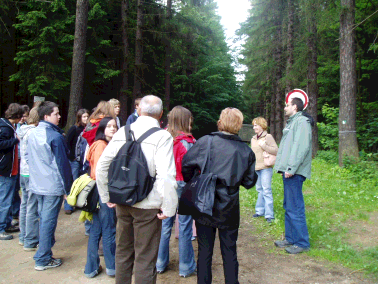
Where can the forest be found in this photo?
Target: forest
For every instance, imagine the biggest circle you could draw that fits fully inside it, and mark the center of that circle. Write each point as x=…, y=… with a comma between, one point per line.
x=78, y=52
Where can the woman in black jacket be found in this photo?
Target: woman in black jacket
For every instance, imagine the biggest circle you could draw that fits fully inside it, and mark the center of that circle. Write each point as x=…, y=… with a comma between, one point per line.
x=72, y=136
x=234, y=164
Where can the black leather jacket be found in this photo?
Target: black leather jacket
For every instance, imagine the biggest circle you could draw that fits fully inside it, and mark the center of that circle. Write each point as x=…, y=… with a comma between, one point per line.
x=233, y=162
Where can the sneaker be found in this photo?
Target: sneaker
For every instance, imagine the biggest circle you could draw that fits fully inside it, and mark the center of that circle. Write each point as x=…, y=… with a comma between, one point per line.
x=68, y=212
x=31, y=248
x=294, y=249
x=54, y=262
x=12, y=229
x=14, y=222
x=160, y=271
x=190, y=274
x=257, y=215
x=193, y=238
x=269, y=220
x=21, y=243
x=5, y=237
x=282, y=244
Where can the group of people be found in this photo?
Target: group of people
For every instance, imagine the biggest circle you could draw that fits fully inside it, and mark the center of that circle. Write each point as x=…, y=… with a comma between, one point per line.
x=135, y=239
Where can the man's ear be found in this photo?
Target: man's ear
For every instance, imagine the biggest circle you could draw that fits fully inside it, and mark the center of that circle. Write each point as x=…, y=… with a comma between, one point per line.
x=161, y=114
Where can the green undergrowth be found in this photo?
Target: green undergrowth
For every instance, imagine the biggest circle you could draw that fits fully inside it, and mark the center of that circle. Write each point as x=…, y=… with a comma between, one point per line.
x=337, y=200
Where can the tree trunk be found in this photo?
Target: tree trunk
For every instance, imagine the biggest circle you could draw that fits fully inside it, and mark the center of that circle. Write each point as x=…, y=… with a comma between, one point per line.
x=278, y=91
x=123, y=96
x=290, y=45
x=167, y=67
x=312, y=80
x=272, y=116
x=348, y=145
x=78, y=61
x=137, y=92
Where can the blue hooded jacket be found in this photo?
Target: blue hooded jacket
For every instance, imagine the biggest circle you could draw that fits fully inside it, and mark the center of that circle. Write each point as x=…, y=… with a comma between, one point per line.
x=47, y=156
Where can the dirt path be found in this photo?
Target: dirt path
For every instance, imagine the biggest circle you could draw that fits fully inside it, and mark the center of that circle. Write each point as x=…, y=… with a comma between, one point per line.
x=257, y=264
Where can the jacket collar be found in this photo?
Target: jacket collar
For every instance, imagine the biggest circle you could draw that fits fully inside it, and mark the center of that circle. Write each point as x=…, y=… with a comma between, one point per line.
x=293, y=117
x=262, y=135
x=47, y=124
x=226, y=136
x=6, y=122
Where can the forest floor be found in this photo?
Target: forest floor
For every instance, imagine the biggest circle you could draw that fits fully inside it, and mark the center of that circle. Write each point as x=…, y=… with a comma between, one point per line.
x=260, y=262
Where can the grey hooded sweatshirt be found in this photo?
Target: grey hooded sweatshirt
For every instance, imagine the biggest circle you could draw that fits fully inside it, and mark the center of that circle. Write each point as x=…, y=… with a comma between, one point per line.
x=24, y=133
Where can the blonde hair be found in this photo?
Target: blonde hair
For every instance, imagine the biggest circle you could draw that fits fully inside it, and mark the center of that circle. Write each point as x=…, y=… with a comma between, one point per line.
x=114, y=102
x=33, y=116
x=103, y=108
x=260, y=121
x=179, y=119
x=230, y=120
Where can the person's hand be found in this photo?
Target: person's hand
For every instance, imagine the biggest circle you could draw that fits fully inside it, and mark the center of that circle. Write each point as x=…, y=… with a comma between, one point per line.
x=261, y=143
x=161, y=216
x=65, y=197
x=111, y=205
x=287, y=175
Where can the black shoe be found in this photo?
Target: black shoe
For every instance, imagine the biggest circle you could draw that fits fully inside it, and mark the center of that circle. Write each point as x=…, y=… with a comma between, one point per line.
x=68, y=212
x=269, y=220
x=282, y=244
x=295, y=249
x=5, y=237
x=257, y=215
x=12, y=229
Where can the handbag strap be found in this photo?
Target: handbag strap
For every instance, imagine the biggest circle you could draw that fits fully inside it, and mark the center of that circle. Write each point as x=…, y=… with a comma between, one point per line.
x=207, y=157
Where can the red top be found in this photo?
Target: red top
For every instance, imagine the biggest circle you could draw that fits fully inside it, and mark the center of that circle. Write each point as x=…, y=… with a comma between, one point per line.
x=15, y=162
x=90, y=131
x=179, y=150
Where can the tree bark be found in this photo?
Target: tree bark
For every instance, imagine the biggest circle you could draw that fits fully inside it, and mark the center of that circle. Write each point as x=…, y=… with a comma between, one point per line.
x=312, y=79
x=137, y=92
x=290, y=45
x=123, y=96
x=348, y=145
x=167, y=64
x=78, y=61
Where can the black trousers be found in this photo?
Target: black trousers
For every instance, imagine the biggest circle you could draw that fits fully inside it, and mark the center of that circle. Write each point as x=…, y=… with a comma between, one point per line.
x=206, y=239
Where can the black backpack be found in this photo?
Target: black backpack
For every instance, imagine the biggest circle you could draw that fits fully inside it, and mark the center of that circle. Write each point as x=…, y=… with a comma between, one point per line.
x=129, y=178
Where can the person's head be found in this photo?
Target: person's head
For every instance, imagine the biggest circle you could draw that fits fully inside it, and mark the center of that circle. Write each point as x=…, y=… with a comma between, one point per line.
x=151, y=105
x=82, y=117
x=179, y=119
x=103, y=109
x=259, y=125
x=26, y=110
x=106, y=129
x=49, y=111
x=117, y=106
x=294, y=105
x=14, y=113
x=33, y=118
x=136, y=105
x=230, y=120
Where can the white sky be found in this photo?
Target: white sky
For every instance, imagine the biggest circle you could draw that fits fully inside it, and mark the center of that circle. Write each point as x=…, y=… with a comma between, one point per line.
x=233, y=12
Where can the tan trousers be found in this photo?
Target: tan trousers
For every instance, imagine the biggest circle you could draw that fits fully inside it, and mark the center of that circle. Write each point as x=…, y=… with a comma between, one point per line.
x=138, y=238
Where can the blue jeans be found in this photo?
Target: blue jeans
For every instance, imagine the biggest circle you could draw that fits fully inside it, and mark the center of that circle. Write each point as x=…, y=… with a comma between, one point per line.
x=187, y=264
x=24, y=184
x=31, y=238
x=7, y=190
x=103, y=224
x=295, y=219
x=48, y=210
x=264, y=204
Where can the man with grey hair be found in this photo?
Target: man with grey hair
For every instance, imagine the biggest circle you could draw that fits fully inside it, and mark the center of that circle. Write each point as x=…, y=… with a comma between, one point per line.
x=139, y=226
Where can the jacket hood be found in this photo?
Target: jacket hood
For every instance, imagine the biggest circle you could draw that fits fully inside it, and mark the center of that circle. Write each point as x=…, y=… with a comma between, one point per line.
x=227, y=136
x=25, y=129
x=184, y=136
x=6, y=123
x=309, y=118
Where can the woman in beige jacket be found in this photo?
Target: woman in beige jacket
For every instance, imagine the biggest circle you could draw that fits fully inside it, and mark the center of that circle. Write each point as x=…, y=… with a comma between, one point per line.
x=263, y=142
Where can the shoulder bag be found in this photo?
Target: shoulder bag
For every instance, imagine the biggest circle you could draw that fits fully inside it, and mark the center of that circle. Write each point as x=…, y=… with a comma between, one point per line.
x=199, y=193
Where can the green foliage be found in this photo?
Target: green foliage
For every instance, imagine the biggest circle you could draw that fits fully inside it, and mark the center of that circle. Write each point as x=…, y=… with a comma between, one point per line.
x=328, y=132
x=339, y=205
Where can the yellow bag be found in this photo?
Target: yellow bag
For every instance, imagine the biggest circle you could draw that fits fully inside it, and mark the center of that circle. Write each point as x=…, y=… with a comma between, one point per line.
x=78, y=185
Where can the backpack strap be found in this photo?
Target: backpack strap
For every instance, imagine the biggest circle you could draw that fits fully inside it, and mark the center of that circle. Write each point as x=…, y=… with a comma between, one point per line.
x=148, y=133
x=129, y=133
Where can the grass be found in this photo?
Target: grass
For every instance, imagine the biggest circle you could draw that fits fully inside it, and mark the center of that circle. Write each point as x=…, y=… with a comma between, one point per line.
x=336, y=199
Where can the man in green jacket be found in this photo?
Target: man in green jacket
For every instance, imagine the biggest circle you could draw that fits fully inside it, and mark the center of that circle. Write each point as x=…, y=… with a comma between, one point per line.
x=294, y=163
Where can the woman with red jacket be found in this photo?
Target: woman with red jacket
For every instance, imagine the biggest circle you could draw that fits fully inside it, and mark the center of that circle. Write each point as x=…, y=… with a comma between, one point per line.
x=179, y=125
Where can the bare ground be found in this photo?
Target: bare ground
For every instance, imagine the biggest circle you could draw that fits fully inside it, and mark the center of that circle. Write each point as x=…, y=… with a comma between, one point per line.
x=259, y=262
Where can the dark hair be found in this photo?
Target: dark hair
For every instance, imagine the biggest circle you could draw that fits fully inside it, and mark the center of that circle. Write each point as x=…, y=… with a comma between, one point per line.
x=79, y=114
x=137, y=101
x=100, y=133
x=26, y=108
x=298, y=102
x=14, y=111
x=46, y=108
